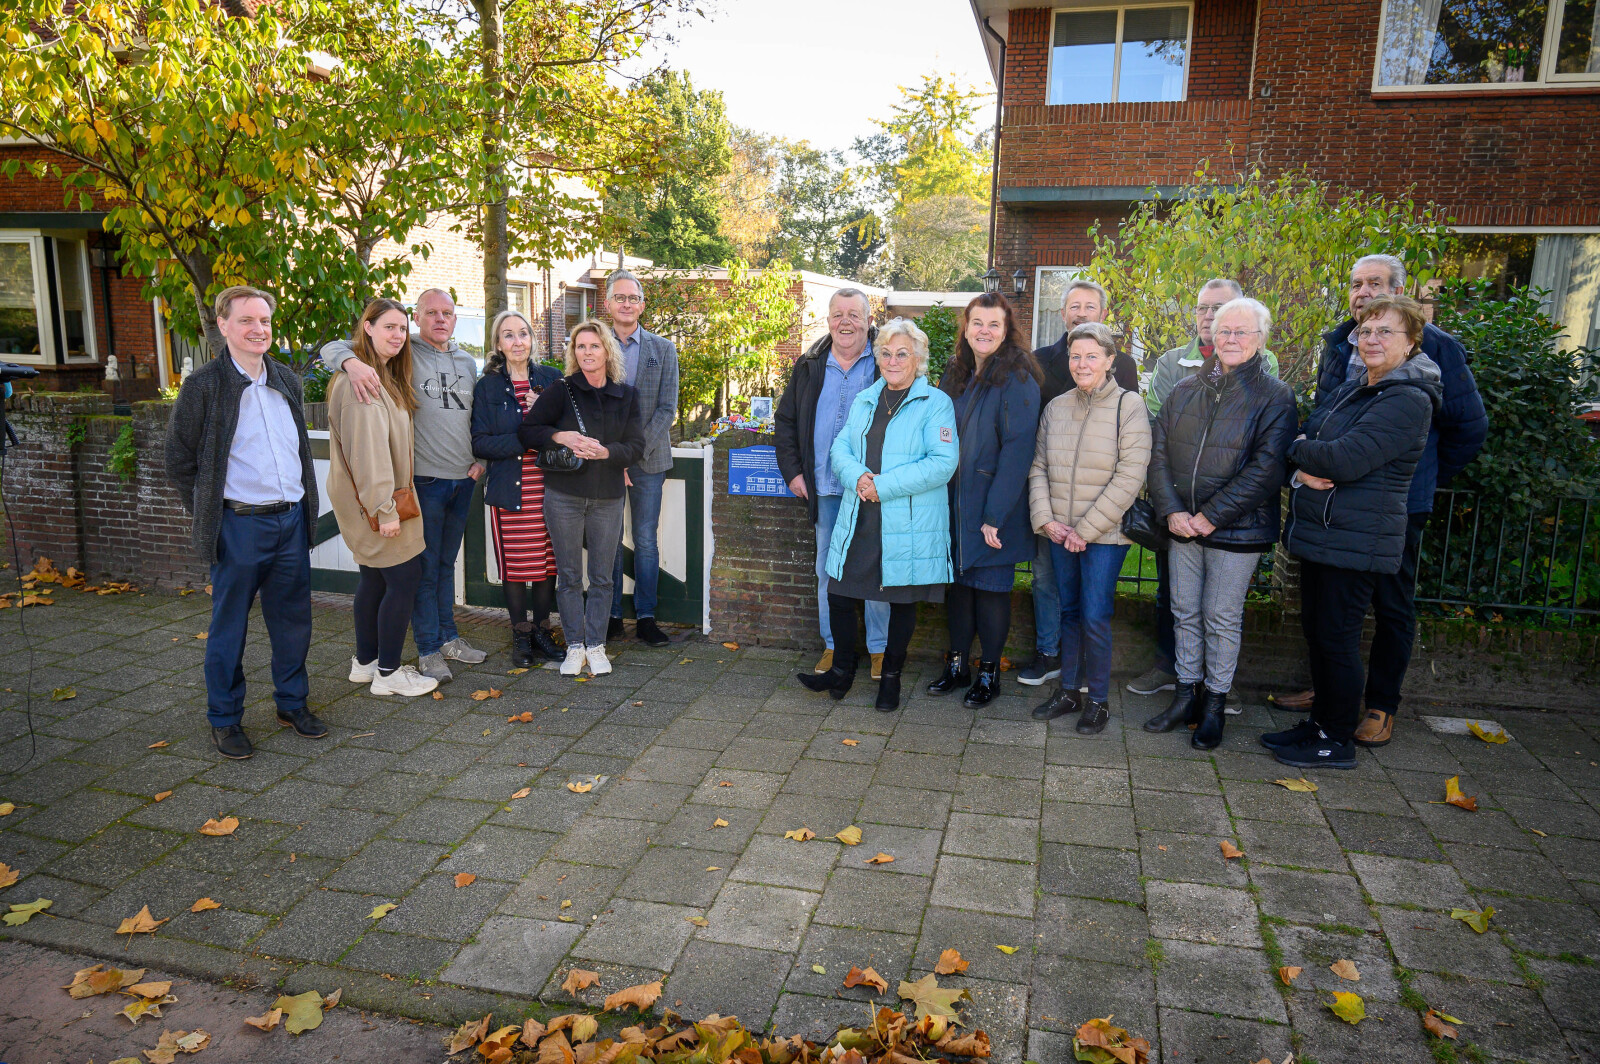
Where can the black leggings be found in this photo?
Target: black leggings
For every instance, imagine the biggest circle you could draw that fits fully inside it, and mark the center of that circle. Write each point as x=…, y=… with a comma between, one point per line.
x=519, y=600
x=843, y=614
x=986, y=614
x=384, y=599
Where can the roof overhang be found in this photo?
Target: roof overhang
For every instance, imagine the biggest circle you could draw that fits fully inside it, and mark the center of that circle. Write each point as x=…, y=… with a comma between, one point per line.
x=998, y=14
x=1045, y=196
x=52, y=219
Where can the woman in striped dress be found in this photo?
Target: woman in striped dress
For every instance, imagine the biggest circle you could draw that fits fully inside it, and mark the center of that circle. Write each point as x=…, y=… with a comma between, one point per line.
x=515, y=486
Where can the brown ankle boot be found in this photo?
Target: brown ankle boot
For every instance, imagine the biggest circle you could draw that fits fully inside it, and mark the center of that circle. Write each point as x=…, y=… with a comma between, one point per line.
x=1376, y=730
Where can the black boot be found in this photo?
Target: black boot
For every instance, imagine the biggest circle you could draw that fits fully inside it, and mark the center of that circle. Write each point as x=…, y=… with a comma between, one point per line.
x=1185, y=709
x=1209, y=734
x=1092, y=721
x=1058, y=704
x=837, y=680
x=986, y=688
x=522, y=645
x=889, y=682
x=545, y=645
x=957, y=673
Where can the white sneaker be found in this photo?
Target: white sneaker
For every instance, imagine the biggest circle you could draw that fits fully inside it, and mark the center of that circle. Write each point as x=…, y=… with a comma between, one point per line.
x=573, y=666
x=360, y=673
x=405, y=680
x=599, y=664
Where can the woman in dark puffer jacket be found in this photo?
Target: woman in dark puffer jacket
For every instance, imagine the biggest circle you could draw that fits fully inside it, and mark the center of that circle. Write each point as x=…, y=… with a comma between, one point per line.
x=1216, y=470
x=1347, y=516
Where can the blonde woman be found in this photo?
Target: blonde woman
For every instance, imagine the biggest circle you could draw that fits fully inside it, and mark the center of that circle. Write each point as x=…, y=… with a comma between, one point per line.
x=594, y=412
x=372, y=464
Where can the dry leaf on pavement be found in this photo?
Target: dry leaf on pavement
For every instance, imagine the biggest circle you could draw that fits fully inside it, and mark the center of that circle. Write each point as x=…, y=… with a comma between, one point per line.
x=1302, y=784
x=159, y=988
x=931, y=999
x=464, y=879
x=850, y=742
x=97, y=980
x=850, y=836
x=800, y=834
x=580, y=788
x=1345, y=969
x=698, y=921
x=555, y=1049
x=578, y=979
x=21, y=914
x=266, y=1021
x=1476, y=919
x=532, y=1031
x=719, y=823
x=1498, y=736
x=950, y=963
x=438, y=696
x=174, y=1042
x=975, y=1044
x=157, y=746
x=148, y=1005
x=1453, y=795
x=226, y=826
x=469, y=1034
x=141, y=923
x=1007, y=950
x=203, y=904
x=523, y=793
x=380, y=911
x=1434, y=1023
x=7, y=808
x=882, y=858
x=162, y=796
x=8, y=875
x=525, y=717
x=1288, y=973
x=332, y=999
x=866, y=977
x=640, y=997
x=1229, y=850
x=480, y=696
x=62, y=694
x=730, y=646
x=1348, y=1007
x=1098, y=1041
x=302, y=1012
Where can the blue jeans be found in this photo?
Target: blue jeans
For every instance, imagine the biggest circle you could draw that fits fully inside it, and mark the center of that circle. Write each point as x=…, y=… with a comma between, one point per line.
x=877, y=612
x=444, y=504
x=1087, y=583
x=1046, y=601
x=264, y=555
x=644, y=500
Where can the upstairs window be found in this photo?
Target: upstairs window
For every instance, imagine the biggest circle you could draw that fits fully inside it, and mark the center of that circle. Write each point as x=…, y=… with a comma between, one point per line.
x=1119, y=55
x=1455, y=43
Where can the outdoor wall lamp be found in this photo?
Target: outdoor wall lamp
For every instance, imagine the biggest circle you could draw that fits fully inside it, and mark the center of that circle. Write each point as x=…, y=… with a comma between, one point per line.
x=1019, y=282
x=991, y=280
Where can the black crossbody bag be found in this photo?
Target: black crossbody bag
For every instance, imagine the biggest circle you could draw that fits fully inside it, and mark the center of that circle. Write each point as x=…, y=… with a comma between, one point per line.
x=558, y=457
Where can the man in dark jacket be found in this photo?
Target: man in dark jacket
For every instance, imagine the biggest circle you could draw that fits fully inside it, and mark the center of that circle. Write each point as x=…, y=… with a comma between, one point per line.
x=812, y=410
x=239, y=457
x=1083, y=301
x=1459, y=428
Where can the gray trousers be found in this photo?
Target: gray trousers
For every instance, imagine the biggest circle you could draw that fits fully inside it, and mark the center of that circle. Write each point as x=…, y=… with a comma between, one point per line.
x=576, y=523
x=1208, y=590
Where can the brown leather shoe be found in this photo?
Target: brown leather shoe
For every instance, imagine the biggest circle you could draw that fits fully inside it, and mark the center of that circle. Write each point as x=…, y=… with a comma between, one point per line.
x=1298, y=700
x=1376, y=730
x=877, y=666
x=825, y=662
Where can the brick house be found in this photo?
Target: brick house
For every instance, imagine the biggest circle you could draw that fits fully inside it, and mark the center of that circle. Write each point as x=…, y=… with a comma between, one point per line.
x=1499, y=124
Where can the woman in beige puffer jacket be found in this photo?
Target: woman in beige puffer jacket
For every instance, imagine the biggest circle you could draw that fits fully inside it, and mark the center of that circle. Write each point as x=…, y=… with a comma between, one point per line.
x=1089, y=465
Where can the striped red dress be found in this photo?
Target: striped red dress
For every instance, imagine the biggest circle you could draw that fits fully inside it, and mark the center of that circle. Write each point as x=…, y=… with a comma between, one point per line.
x=521, y=544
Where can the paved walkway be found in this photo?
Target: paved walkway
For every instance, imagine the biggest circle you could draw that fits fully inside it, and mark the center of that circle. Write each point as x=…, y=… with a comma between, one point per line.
x=1098, y=859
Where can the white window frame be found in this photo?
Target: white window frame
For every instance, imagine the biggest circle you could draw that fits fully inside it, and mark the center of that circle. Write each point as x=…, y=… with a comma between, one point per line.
x=1073, y=272
x=1547, y=79
x=1116, y=60
x=91, y=343
x=41, y=297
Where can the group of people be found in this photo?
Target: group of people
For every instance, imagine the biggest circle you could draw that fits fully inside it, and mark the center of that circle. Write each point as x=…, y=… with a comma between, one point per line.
x=412, y=429
x=920, y=492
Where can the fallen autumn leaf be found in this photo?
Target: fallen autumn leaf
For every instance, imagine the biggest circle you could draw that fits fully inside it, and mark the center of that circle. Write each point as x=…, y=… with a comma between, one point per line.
x=1453, y=795
x=464, y=879
x=882, y=858
x=1288, y=973
x=302, y=1012
x=380, y=911
x=950, y=963
x=1303, y=785
x=800, y=834
x=1348, y=1007
x=1476, y=919
x=21, y=914
x=226, y=826
x=850, y=836
x=1229, y=850
x=140, y=923
x=203, y=904
x=1434, y=1023
x=866, y=977
x=266, y=1021
x=578, y=979
x=640, y=997
x=1345, y=969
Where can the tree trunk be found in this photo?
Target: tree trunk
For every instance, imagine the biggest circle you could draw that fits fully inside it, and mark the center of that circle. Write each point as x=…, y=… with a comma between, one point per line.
x=201, y=274
x=496, y=236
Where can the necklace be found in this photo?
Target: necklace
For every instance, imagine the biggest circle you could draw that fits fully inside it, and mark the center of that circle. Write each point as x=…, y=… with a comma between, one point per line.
x=898, y=403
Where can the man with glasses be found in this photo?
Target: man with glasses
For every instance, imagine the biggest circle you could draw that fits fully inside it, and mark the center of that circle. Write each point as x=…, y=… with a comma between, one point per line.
x=651, y=362
x=1171, y=368
x=1458, y=430
x=812, y=410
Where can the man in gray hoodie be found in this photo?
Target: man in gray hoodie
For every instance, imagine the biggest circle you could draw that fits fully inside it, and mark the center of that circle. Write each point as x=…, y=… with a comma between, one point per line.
x=443, y=376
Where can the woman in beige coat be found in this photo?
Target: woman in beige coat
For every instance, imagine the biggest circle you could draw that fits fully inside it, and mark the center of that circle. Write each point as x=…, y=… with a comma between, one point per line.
x=371, y=461
x=1088, y=466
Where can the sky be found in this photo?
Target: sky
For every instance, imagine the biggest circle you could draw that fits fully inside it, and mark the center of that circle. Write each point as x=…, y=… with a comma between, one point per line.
x=821, y=70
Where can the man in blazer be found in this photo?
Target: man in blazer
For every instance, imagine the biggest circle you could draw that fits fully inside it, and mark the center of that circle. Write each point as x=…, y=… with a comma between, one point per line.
x=652, y=365
x=238, y=455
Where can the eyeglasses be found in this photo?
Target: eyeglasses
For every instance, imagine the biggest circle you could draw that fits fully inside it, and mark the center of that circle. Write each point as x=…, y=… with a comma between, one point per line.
x=1208, y=308
x=1383, y=335
x=627, y=300
x=896, y=356
x=1234, y=334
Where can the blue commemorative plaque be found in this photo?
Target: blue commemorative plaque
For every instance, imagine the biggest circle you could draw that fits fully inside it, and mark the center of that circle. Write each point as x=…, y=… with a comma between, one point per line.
x=754, y=471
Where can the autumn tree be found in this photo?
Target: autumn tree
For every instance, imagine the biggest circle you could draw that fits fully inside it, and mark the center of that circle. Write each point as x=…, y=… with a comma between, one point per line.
x=747, y=193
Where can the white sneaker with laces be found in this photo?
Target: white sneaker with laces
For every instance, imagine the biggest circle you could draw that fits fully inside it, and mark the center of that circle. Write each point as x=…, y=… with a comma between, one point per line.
x=573, y=666
x=405, y=680
x=599, y=664
x=360, y=673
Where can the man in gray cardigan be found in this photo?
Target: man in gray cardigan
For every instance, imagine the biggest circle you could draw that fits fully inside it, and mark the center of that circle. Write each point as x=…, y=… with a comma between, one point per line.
x=652, y=365
x=443, y=376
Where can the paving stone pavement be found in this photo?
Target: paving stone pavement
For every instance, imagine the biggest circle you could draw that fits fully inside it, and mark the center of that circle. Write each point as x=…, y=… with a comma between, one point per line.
x=1097, y=858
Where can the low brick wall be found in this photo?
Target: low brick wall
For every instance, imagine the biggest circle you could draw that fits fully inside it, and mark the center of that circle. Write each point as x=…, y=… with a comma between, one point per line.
x=763, y=590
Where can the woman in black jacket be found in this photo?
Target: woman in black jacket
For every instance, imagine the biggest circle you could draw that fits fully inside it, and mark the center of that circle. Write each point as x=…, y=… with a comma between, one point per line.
x=1347, y=516
x=514, y=487
x=594, y=412
x=993, y=381
x=1216, y=469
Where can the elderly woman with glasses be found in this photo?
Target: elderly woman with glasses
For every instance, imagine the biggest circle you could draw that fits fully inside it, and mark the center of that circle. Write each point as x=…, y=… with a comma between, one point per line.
x=1216, y=471
x=1347, y=516
x=891, y=543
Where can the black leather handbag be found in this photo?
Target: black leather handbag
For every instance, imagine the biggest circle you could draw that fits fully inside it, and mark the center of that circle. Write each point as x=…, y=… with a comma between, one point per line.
x=1141, y=525
x=558, y=457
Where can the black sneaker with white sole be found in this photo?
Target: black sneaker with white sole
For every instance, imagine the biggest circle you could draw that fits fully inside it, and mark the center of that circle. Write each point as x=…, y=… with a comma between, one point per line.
x=1301, y=732
x=1040, y=671
x=1318, y=752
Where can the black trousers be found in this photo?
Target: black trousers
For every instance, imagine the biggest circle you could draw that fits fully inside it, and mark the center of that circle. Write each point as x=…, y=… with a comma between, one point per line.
x=1394, y=607
x=1333, y=605
x=1166, y=626
x=985, y=614
x=384, y=598
x=844, y=615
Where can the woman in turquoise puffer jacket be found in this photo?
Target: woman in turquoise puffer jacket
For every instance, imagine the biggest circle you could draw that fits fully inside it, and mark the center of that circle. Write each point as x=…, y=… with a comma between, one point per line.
x=897, y=451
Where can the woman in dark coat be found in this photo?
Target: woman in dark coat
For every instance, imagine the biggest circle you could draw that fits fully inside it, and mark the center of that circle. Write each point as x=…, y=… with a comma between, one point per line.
x=993, y=380
x=1216, y=472
x=1347, y=516
x=514, y=488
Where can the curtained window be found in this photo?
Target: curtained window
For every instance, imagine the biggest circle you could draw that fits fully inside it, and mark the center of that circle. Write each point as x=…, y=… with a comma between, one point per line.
x=1487, y=42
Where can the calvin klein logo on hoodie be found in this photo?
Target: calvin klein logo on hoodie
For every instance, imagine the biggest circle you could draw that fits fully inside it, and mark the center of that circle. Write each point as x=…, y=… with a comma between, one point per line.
x=447, y=390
